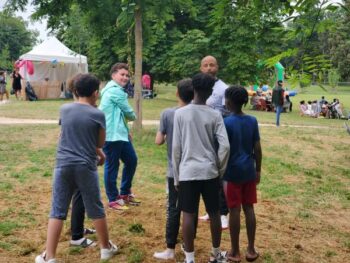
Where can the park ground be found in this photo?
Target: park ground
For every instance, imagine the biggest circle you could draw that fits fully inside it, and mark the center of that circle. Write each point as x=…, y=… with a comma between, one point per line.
x=302, y=213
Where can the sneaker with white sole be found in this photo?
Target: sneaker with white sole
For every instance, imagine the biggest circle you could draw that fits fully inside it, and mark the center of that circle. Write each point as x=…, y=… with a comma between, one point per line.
x=224, y=222
x=119, y=204
x=166, y=254
x=204, y=218
x=107, y=253
x=41, y=259
x=130, y=199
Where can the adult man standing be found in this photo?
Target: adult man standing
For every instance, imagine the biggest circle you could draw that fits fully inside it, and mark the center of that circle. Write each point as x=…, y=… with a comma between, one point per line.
x=210, y=66
x=216, y=101
x=278, y=100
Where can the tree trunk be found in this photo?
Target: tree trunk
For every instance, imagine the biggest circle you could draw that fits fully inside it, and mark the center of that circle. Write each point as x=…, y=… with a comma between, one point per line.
x=138, y=68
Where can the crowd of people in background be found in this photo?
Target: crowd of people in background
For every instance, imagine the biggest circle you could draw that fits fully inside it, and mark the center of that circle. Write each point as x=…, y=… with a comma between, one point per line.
x=262, y=101
x=322, y=108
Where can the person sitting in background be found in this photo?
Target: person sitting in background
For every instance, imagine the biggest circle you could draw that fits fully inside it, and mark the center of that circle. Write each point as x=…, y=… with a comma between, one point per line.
x=303, y=108
x=324, y=110
x=314, y=108
x=254, y=101
x=322, y=101
x=309, y=111
x=339, y=109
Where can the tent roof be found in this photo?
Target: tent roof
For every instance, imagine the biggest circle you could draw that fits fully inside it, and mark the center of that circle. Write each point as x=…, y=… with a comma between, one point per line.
x=52, y=49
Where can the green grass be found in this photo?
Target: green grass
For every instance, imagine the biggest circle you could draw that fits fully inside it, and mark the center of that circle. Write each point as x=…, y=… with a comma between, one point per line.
x=49, y=109
x=303, y=195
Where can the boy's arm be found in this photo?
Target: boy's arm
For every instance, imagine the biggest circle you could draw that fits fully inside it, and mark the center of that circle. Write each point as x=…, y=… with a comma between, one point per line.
x=160, y=138
x=161, y=134
x=224, y=146
x=176, y=150
x=101, y=138
x=101, y=156
x=258, y=158
x=120, y=98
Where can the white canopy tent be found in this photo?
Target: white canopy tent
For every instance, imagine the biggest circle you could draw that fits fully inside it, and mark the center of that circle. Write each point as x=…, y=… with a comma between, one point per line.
x=53, y=65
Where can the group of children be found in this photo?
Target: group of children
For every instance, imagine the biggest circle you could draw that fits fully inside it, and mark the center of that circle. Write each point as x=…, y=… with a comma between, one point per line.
x=203, y=150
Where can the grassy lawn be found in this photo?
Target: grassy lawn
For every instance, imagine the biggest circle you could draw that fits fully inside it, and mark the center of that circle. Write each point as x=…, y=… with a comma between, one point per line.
x=303, y=209
x=49, y=109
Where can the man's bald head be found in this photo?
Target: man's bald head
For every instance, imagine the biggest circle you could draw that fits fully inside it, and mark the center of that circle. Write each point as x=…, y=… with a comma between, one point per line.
x=209, y=65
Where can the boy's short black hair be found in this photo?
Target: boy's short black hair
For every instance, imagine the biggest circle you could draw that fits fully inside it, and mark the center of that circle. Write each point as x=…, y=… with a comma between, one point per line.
x=280, y=82
x=118, y=66
x=185, y=90
x=203, y=85
x=237, y=95
x=84, y=85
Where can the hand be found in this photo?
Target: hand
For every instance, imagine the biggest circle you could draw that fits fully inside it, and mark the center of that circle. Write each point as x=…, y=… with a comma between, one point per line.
x=176, y=187
x=101, y=159
x=258, y=177
x=130, y=137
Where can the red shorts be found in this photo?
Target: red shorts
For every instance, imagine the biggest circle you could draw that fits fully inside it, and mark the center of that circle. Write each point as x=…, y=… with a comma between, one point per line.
x=240, y=194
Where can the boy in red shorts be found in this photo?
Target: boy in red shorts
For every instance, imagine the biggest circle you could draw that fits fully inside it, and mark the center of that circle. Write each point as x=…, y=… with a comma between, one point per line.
x=243, y=170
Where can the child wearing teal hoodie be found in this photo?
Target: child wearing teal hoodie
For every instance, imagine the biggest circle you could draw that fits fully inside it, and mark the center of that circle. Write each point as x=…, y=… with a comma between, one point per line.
x=118, y=146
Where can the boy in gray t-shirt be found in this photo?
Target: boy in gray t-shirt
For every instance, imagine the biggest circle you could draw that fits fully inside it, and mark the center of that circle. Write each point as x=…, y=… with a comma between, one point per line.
x=184, y=94
x=200, y=153
x=82, y=136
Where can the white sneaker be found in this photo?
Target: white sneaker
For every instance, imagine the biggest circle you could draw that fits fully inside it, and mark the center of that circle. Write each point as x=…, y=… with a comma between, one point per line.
x=107, y=253
x=224, y=222
x=204, y=218
x=41, y=259
x=166, y=254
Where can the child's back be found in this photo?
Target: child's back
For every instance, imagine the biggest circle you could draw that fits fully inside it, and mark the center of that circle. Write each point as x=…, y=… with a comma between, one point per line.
x=81, y=124
x=243, y=132
x=201, y=142
x=243, y=171
x=200, y=153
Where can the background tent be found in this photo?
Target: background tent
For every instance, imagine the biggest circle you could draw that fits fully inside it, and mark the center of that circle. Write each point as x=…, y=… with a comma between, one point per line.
x=51, y=65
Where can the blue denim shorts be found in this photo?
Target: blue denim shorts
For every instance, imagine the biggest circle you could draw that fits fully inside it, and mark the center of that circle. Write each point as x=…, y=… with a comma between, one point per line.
x=66, y=180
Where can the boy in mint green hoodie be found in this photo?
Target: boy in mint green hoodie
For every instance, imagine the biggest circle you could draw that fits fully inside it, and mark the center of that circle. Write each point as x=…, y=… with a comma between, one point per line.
x=118, y=146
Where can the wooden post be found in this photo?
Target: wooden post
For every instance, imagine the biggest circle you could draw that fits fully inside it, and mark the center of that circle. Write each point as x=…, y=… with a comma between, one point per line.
x=138, y=68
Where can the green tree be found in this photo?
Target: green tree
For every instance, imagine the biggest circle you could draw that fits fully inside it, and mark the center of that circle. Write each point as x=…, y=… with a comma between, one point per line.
x=14, y=36
x=137, y=14
x=339, y=42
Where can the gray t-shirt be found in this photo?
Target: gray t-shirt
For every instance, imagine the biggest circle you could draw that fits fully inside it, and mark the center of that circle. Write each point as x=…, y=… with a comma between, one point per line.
x=200, y=149
x=80, y=126
x=166, y=128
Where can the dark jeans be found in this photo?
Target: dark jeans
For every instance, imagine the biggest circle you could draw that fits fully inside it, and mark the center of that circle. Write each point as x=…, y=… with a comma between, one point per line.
x=114, y=151
x=279, y=110
x=77, y=216
x=173, y=215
